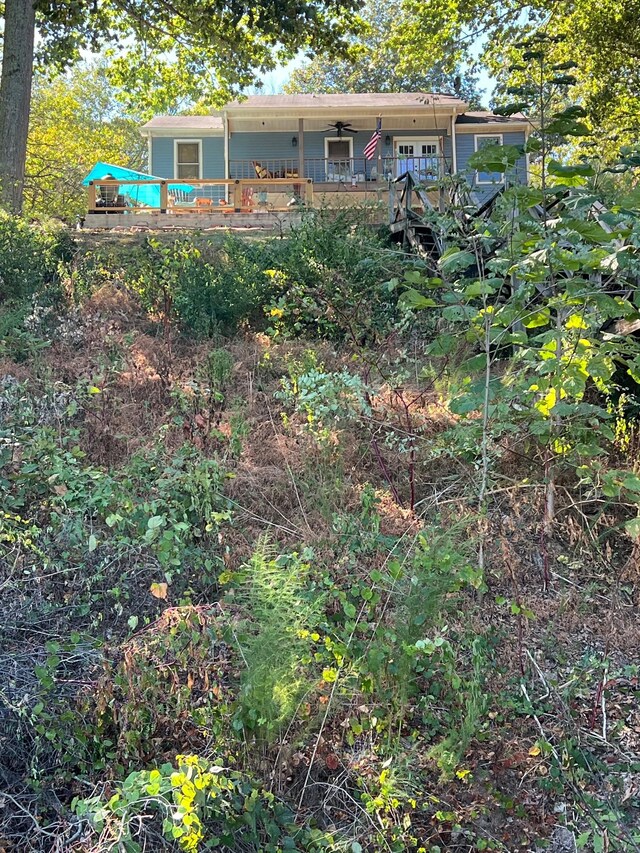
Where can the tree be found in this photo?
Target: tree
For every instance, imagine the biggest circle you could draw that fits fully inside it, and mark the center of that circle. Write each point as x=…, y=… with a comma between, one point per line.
x=76, y=120
x=603, y=37
x=374, y=63
x=159, y=51
x=15, y=97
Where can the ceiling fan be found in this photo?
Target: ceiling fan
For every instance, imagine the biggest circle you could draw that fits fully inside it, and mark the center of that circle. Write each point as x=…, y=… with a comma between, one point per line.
x=342, y=127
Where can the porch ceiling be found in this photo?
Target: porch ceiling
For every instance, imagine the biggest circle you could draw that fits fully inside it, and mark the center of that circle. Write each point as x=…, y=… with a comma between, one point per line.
x=286, y=124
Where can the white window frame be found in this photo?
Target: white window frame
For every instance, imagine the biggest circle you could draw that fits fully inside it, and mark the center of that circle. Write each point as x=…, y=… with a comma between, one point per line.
x=500, y=138
x=408, y=140
x=329, y=139
x=419, y=140
x=176, y=143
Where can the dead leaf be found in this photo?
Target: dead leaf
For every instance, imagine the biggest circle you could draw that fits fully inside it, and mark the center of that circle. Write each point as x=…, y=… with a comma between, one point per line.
x=158, y=590
x=331, y=761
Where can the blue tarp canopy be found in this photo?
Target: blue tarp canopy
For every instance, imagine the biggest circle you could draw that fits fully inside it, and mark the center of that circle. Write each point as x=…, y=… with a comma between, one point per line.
x=137, y=193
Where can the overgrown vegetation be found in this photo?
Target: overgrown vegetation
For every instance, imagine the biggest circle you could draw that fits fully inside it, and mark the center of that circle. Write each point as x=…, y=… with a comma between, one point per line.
x=310, y=544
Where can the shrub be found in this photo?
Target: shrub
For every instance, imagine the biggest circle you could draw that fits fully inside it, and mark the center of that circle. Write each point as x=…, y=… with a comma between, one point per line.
x=330, y=276
x=273, y=639
x=201, y=804
x=30, y=256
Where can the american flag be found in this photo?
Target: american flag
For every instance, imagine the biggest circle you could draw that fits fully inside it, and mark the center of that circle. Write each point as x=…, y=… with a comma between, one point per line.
x=372, y=144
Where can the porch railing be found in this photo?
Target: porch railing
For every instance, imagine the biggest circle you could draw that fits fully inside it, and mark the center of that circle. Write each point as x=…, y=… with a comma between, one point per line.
x=340, y=170
x=179, y=196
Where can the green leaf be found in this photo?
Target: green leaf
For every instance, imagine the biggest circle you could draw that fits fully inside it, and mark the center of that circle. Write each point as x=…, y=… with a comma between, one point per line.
x=564, y=80
x=132, y=622
x=93, y=543
x=583, y=170
x=571, y=112
x=413, y=299
x=565, y=66
x=455, y=260
x=532, y=145
x=349, y=609
x=537, y=318
x=478, y=288
x=632, y=483
x=496, y=158
x=443, y=345
x=567, y=127
x=592, y=231
x=633, y=528
x=155, y=521
x=467, y=403
x=512, y=109
x=329, y=675
x=474, y=364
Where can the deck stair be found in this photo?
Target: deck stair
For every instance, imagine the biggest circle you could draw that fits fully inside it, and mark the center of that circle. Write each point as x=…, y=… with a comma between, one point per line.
x=409, y=201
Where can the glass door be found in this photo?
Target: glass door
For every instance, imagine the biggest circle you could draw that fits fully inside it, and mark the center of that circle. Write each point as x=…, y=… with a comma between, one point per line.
x=419, y=156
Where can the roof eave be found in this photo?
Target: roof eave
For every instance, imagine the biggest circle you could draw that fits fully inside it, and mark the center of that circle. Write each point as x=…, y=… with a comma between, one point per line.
x=329, y=111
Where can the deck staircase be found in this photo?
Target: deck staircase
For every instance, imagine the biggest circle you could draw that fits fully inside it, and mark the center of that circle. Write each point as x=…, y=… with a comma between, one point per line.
x=409, y=205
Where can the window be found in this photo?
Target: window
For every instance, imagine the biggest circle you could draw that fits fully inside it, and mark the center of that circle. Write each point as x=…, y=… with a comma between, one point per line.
x=187, y=158
x=482, y=142
x=338, y=155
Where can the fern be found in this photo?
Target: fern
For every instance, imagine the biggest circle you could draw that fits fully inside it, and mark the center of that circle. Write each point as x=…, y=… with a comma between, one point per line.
x=274, y=639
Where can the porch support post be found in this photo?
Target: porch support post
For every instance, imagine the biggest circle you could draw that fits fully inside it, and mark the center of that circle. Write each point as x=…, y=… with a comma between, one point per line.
x=301, y=148
x=454, y=155
x=91, y=206
x=164, y=196
x=225, y=124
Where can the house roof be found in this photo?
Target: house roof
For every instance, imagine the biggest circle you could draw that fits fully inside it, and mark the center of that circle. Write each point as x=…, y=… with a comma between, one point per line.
x=485, y=117
x=277, y=107
x=366, y=100
x=182, y=122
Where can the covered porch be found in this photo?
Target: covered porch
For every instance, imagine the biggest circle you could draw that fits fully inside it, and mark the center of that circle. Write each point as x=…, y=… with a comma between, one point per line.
x=357, y=172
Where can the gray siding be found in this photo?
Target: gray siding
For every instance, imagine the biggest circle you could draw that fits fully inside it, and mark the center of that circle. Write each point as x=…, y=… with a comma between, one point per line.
x=271, y=146
x=465, y=146
x=265, y=146
x=213, y=157
x=162, y=164
x=162, y=157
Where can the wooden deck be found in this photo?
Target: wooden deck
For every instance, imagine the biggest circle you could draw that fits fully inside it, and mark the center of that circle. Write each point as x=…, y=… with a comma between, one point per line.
x=262, y=204
x=200, y=221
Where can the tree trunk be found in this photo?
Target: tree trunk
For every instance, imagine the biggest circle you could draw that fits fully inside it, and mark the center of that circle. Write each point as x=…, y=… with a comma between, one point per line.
x=15, y=99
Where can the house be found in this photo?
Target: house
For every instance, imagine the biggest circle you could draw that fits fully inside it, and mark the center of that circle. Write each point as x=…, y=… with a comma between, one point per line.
x=271, y=150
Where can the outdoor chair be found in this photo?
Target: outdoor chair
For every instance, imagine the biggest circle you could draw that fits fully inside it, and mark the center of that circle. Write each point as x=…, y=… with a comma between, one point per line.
x=261, y=172
x=109, y=195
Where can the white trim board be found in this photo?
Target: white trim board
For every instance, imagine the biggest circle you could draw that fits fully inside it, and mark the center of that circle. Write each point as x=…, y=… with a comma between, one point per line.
x=408, y=139
x=188, y=141
x=328, y=139
x=498, y=136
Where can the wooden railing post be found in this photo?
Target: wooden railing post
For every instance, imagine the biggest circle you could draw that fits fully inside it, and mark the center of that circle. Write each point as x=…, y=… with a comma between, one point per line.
x=164, y=196
x=91, y=197
x=237, y=197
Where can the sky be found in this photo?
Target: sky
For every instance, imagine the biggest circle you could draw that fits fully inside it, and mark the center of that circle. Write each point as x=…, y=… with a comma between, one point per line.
x=273, y=81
